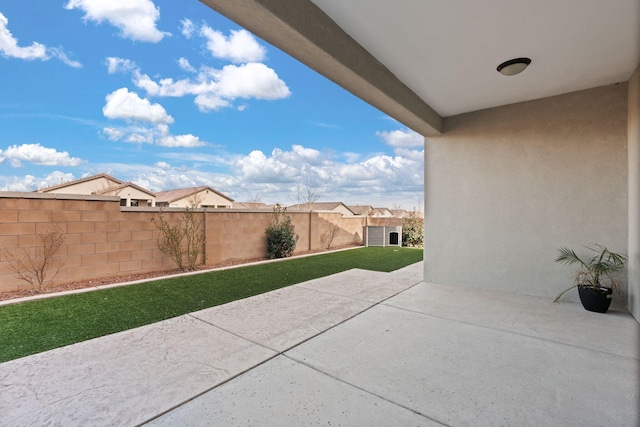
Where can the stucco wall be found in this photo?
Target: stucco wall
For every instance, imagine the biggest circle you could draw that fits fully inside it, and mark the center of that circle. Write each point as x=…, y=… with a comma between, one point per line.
x=504, y=187
x=634, y=193
x=205, y=198
x=102, y=239
x=85, y=187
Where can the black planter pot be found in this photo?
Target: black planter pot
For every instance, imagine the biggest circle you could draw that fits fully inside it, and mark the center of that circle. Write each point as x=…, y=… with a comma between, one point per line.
x=597, y=300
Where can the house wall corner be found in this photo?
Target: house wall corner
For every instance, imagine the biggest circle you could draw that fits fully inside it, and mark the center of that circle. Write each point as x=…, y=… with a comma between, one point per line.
x=506, y=186
x=633, y=144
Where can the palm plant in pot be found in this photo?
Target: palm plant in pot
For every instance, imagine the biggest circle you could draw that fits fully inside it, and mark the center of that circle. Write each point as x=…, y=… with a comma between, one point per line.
x=595, y=276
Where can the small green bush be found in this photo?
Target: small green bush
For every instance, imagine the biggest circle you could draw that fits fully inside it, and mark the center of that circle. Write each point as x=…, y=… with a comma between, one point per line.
x=413, y=230
x=281, y=235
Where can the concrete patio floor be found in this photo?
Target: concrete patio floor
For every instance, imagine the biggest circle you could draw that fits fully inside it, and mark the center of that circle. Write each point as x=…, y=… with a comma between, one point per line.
x=358, y=348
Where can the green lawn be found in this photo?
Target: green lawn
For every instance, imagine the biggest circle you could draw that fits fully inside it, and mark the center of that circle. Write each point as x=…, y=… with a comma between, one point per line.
x=36, y=326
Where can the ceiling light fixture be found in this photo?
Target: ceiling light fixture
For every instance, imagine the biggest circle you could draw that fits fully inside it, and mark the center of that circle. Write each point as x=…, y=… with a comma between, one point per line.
x=513, y=66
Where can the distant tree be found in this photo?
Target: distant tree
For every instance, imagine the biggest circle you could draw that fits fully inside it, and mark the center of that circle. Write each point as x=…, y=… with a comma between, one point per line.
x=195, y=200
x=255, y=201
x=308, y=192
x=281, y=234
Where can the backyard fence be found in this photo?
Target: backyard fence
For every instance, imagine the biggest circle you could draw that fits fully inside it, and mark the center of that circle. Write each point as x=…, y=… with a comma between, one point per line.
x=103, y=239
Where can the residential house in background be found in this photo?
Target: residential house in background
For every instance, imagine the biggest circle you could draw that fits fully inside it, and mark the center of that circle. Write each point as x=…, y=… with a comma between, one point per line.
x=364, y=210
x=105, y=185
x=251, y=205
x=323, y=206
x=403, y=213
x=199, y=197
x=399, y=213
x=381, y=213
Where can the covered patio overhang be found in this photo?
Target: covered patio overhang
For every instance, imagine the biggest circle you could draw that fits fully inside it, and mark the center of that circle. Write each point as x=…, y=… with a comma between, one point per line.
x=515, y=166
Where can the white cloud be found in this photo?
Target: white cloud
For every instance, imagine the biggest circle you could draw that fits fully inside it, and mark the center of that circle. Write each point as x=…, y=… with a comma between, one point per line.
x=119, y=65
x=300, y=154
x=325, y=125
x=20, y=184
x=9, y=48
x=252, y=80
x=180, y=141
x=9, y=45
x=187, y=28
x=164, y=176
x=38, y=155
x=158, y=135
x=211, y=102
x=148, y=122
x=162, y=165
x=170, y=87
x=185, y=65
x=379, y=174
x=351, y=157
x=416, y=156
x=55, y=178
x=216, y=89
x=258, y=168
x=114, y=134
x=122, y=104
x=401, y=138
x=136, y=19
x=239, y=47
x=31, y=183
x=57, y=52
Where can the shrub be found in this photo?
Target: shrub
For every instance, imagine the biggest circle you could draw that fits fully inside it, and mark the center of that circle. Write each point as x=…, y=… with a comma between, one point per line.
x=182, y=242
x=281, y=234
x=413, y=230
x=329, y=236
x=34, y=265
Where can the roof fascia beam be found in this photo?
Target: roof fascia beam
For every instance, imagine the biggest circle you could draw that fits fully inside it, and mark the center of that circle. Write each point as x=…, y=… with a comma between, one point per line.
x=304, y=31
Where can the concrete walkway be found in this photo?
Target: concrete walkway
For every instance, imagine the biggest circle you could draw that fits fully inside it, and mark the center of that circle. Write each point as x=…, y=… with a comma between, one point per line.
x=358, y=348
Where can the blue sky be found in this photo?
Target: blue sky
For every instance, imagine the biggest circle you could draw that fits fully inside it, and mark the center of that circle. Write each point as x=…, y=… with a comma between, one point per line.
x=170, y=94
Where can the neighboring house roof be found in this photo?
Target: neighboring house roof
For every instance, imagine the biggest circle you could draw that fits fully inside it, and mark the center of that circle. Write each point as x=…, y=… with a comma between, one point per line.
x=361, y=210
x=79, y=181
x=251, y=205
x=399, y=213
x=382, y=212
x=115, y=188
x=319, y=206
x=183, y=193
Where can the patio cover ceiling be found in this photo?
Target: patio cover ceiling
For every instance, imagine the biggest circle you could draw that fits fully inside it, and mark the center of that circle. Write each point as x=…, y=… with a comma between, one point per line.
x=421, y=60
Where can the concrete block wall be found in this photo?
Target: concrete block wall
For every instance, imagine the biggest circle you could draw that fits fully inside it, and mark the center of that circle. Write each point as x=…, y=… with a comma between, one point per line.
x=102, y=239
x=351, y=229
x=99, y=239
x=236, y=235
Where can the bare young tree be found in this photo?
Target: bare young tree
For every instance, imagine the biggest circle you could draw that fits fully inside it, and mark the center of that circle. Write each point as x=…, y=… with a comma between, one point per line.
x=195, y=200
x=308, y=192
x=106, y=188
x=38, y=266
x=255, y=201
x=183, y=241
x=329, y=236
